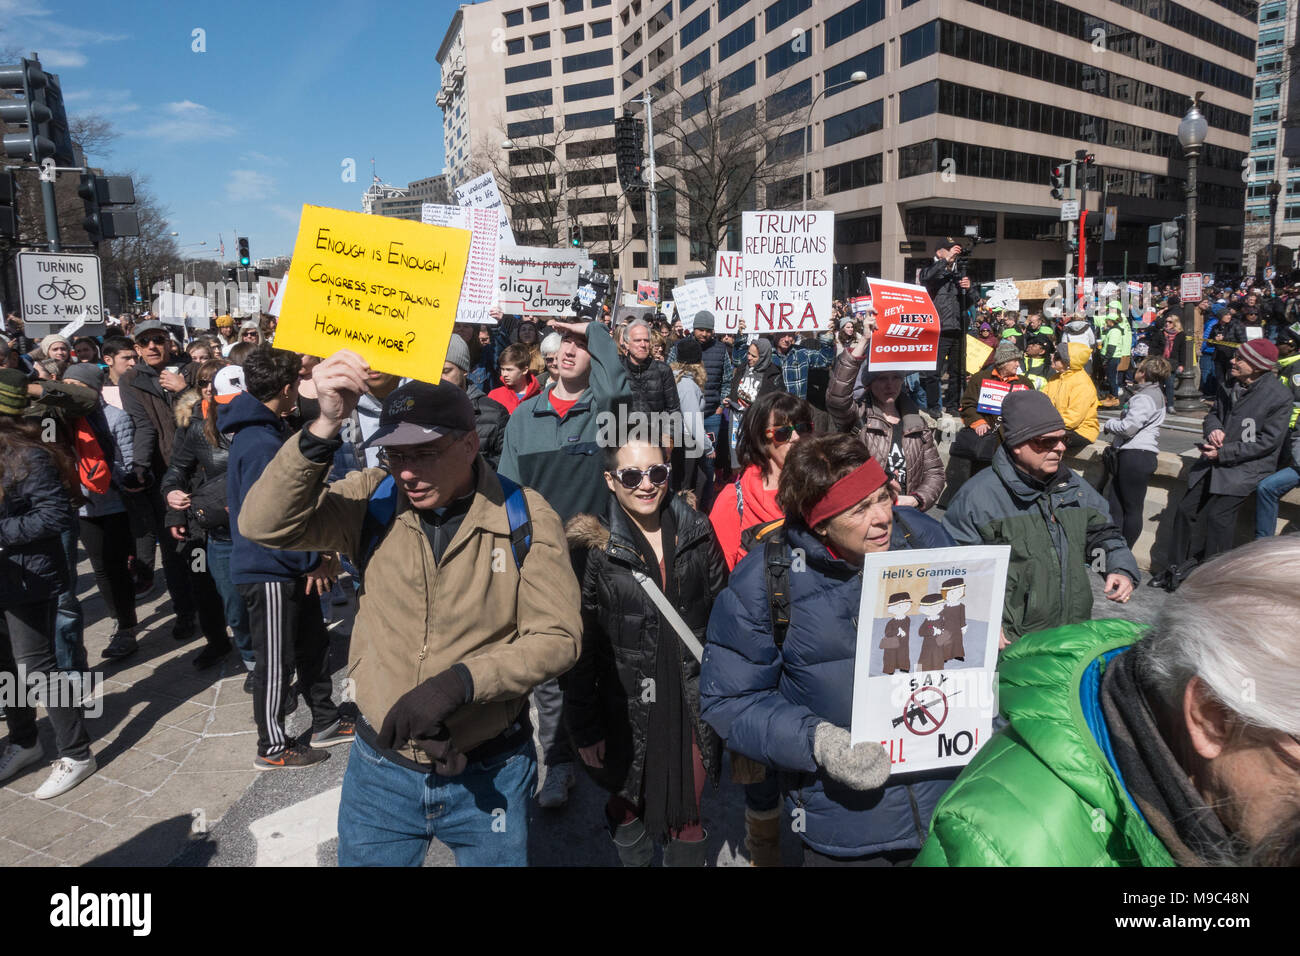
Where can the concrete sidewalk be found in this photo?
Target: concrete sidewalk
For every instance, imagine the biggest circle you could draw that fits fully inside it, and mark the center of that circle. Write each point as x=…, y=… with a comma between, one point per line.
x=174, y=745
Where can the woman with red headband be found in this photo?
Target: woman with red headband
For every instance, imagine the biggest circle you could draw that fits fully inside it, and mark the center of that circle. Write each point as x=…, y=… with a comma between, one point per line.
x=784, y=695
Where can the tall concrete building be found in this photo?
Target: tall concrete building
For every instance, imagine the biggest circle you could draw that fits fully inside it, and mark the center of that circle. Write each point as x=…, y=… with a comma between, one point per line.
x=1271, y=155
x=966, y=107
x=540, y=77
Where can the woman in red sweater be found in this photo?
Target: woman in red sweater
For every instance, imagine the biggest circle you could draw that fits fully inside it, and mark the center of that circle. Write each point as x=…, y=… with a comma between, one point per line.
x=769, y=429
x=520, y=383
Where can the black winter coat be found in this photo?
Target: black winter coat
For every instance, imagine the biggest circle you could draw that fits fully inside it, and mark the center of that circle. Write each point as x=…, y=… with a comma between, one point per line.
x=654, y=389
x=945, y=291
x=604, y=694
x=199, y=470
x=490, y=418
x=34, y=512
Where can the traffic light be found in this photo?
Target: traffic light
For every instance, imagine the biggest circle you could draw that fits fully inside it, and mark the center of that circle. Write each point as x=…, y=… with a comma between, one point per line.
x=8, y=202
x=629, y=133
x=1084, y=158
x=1169, y=243
x=30, y=142
x=96, y=192
x=1058, y=182
x=575, y=233
x=244, y=260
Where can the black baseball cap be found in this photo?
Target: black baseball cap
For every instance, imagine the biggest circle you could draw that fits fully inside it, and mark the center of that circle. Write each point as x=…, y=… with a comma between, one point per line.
x=417, y=413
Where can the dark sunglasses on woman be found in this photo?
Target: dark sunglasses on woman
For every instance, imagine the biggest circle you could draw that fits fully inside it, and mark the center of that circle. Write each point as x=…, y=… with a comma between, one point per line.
x=631, y=477
x=781, y=434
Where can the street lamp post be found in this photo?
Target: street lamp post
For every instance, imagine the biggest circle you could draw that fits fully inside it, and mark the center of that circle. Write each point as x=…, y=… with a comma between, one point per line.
x=562, y=204
x=1274, y=189
x=1191, y=134
x=857, y=77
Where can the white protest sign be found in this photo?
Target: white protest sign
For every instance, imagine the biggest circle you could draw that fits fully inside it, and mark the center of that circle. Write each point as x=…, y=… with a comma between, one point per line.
x=726, y=294
x=1004, y=295
x=191, y=310
x=786, y=281
x=70, y=329
x=926, y=665
x=274, y=307
x=267, y=290
x=478, y=289
x=668, y=309
x=482, y=193
x=538, y=281
x=691, y=297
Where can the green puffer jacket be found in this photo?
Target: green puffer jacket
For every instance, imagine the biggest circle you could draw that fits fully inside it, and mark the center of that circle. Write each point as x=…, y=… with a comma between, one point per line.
x=1044, y=791
x=1056, y=534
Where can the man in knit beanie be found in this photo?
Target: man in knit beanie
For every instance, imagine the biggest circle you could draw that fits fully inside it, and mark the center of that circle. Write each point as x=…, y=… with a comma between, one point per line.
x=1244, y=434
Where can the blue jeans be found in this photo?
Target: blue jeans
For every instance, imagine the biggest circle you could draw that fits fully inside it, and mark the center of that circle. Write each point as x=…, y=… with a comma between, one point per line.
x=1267, y=494
x=389, y=814
x=913, y=388
x=69, y=622
x=231, y=599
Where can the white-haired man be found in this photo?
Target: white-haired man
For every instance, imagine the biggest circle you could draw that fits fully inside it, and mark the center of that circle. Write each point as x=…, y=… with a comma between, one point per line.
x=1179, y=745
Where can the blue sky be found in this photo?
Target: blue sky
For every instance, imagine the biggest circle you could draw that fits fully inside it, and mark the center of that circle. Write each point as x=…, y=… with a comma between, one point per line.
x=237, y=138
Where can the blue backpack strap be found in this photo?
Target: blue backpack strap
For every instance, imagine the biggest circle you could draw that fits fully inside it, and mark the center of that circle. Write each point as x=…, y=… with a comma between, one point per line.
x=521, y=524
x=381, y=508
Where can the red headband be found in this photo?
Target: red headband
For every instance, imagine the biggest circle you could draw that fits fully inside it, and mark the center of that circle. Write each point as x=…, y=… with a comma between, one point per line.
x=847, y=492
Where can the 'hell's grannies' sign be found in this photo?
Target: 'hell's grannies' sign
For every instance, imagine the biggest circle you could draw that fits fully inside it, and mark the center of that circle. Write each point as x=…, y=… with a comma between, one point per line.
x=787, y=271
x=385, y=288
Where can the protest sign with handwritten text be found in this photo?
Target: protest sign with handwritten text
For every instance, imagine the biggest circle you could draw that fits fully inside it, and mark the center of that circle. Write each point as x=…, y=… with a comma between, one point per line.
x=479, y=289
x=385, y=288
x=538, y=281
x=786, y=280
x=482, y=193
x=692, y=297
x=726, y=293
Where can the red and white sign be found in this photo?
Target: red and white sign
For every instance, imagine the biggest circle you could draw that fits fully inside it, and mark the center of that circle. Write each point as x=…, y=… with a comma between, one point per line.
x=907, y=328
x=726, y=293
x=1189, y=289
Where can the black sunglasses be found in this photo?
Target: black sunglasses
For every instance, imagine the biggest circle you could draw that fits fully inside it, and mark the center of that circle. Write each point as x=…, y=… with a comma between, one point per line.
x=631, y=477
x=153, y=340
x=781, y=434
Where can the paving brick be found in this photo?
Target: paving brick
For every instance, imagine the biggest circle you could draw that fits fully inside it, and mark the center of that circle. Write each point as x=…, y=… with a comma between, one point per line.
x=48, y=829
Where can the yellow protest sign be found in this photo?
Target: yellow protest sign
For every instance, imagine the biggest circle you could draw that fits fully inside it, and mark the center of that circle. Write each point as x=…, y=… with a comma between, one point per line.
x=977, y=353
x=385, y=288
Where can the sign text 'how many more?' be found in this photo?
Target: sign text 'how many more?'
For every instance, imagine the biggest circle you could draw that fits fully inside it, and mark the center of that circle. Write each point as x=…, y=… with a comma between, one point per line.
x=385, y=288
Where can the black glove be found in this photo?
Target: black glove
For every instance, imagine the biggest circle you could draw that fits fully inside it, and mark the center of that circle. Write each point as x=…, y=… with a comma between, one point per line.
x=419, y=715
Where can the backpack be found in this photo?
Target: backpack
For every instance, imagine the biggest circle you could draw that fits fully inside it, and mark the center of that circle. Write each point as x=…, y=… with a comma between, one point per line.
x=381, y=509
x=93, y=467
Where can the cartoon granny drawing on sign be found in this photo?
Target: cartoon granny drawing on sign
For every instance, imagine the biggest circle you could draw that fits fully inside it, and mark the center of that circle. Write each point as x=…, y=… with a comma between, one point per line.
x=935, y=637
x=953, y=617
x=897, y=640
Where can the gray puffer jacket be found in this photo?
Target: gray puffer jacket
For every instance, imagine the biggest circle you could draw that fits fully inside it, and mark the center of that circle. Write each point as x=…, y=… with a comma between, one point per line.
x=1138, y=429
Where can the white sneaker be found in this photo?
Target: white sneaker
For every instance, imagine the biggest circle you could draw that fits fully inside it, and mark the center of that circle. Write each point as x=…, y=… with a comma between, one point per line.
x=67, y=773
x=15, y=758
x=555, y=791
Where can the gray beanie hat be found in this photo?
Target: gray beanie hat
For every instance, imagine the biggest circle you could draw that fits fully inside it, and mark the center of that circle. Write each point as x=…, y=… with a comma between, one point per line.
x=1006, y=352
x=85, y=373
x=1026, y=414
x=704, y=320
x=458, y=353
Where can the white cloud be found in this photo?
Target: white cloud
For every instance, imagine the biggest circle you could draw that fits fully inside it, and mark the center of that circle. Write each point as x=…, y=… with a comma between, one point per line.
x=187, y=122
x=287, y=214
x=248, y=185
x=101, y=102
x=62, y=59
x=252, y=156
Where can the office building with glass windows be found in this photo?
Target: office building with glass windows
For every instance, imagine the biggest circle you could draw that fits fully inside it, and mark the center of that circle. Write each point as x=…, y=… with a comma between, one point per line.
x=1270, y=155
x=966, y=107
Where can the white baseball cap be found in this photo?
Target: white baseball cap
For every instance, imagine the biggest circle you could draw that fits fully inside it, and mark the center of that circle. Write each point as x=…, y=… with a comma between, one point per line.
x=228, y=383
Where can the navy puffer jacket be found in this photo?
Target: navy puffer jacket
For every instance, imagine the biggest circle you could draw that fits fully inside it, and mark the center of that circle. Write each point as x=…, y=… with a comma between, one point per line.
x=766, y=703
x=34, y=512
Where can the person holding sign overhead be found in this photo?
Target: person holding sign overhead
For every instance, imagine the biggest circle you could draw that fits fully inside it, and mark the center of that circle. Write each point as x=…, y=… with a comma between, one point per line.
x=470, y=601
x=777, y=678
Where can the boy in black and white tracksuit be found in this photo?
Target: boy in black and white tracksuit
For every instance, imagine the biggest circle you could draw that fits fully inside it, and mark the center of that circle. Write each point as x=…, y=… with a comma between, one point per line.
x=281, y=588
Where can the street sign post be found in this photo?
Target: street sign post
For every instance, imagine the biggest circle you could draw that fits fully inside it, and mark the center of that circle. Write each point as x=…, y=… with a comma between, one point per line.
x=58, y=288
x=1190, y=287
x=1070, y=210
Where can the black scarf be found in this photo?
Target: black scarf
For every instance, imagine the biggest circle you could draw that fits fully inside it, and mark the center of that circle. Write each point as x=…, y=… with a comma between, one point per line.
x=668, y=782
x=1191, y=831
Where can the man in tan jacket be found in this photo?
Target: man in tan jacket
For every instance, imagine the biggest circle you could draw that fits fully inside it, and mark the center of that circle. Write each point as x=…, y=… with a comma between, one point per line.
x=454, y=625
